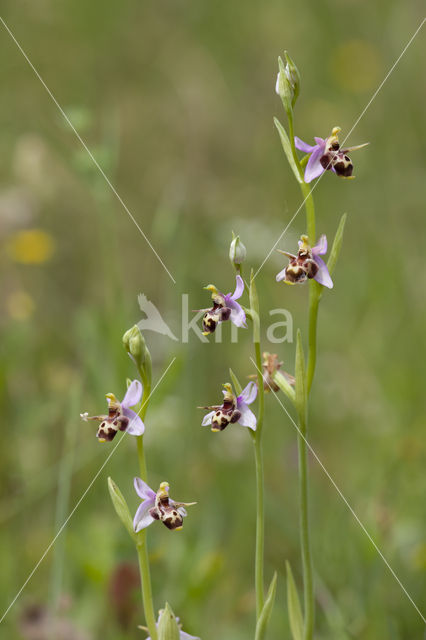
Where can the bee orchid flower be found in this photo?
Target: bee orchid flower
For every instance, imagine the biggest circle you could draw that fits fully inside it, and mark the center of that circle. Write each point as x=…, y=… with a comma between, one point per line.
x=120, y=416
x=225, y=307
x=326, y=154
x=158, y=506
x=234, y=409
x=307, y=264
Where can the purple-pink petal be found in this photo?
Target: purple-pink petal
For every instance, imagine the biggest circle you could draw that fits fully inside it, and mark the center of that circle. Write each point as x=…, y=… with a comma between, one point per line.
x=133, y=394
x=321, y=246
x=239, y=288
x=238, y=316
x=143, y=490
x=323, y=276
x=314, y=167
x=247, y=418
x=135, y=427
x=320, y=141
x=248, y=395
x=303, y=146
x=142, y=517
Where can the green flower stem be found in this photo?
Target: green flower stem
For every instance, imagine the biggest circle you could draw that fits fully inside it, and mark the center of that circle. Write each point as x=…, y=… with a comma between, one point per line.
x=141, y=544
x=260, y=511
x=141, y=458
x=310, y=211
x=308, y=586
x=256, y=436
x=261, y=391
x=293, y=146
x=314, y=287
x=260, y=527
x=314, y=297
x=142, y=551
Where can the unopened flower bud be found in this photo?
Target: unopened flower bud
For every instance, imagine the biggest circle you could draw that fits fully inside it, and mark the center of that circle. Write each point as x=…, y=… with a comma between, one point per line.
x=293, y=77
x=135, y=345
x=168, y=628
x=237, y=251
x=288, y=82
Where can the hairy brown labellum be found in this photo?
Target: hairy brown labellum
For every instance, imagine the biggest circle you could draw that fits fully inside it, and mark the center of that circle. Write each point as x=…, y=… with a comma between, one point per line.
x=295, y=272
x=213, y=316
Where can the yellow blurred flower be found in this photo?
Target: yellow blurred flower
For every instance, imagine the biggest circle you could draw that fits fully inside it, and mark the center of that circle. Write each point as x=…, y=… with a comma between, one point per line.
x=356, y=65
x=20, y=305
x=32, y=246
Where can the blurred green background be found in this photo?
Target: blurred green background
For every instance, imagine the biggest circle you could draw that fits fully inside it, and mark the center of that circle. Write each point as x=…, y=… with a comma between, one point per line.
x=176, y=100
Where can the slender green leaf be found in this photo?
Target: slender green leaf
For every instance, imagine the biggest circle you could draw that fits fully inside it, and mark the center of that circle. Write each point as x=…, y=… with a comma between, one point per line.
x=300, y=377
x=284, y=385
x=265, y=614
x=294, y=608
x=238, y=388
x=287, y=150
x=120, y=506
x=337, y=245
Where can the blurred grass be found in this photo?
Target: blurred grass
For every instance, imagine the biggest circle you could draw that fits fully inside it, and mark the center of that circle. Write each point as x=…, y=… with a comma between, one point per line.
x=176, y=101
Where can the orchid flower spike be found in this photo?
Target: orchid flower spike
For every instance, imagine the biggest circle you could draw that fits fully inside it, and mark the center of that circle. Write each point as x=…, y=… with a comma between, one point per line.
x=326, y=154
x=234, y=409
x=158, y=506
x=307, y=264
x=120, y=417
x=225, y=307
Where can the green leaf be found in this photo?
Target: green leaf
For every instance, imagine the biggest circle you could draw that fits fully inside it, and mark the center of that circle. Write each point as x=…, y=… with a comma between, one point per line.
x=294, y=608
x=287, y=149
x=300, y=378
x=238, y=388
x=337, y=245
x=120, y=506
x=265, y=614
x=284, y=385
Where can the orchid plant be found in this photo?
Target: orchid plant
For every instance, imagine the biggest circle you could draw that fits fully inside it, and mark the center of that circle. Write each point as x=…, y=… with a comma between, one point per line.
x=155, y=505
x=305, y=265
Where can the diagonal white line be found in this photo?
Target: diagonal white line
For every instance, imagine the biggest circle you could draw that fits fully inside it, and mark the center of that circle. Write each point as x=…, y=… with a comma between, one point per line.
x=79, y=502
x=92, y=157
x=346, y=137
x=333, y=482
